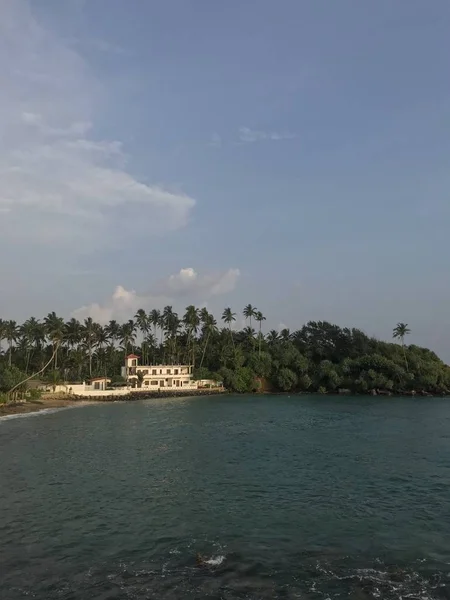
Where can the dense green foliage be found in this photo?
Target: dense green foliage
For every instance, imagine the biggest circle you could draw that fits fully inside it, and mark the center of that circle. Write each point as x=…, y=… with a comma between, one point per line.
x=318, y=357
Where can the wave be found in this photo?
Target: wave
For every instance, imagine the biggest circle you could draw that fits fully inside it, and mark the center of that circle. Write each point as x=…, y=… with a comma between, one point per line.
x=215, y=561
x=174, y=576
x=43, y=411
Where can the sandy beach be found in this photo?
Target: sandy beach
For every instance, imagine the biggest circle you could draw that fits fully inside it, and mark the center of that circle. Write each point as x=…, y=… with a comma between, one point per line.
x=38, y=405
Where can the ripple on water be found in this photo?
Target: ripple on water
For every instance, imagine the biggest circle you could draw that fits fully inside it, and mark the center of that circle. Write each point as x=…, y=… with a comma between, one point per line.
x=284, y=498
x=234, y=576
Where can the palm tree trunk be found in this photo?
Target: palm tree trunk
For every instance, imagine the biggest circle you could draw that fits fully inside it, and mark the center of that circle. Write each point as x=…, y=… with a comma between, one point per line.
x=204, y=349
x=404, y=354
x=231, y=336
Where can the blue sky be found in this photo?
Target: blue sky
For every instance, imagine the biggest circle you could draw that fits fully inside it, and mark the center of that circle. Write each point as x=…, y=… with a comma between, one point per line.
x=289, y=154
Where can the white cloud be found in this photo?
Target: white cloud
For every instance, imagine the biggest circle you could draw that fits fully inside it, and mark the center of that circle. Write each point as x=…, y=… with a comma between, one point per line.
x=187, y=283
x=249, y=136
x=122, y=305
x=59, y=181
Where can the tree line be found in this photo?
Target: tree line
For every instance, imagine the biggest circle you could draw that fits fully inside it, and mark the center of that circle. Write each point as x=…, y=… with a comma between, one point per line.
x=318, y=357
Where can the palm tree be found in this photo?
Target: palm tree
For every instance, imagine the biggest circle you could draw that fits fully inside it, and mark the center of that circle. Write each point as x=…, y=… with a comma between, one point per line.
x=74, y=332
x=209, y=327
x=90, y=331
x=191, y=321
x=228, y=317
x=11, y=332
x=249, y=312
x=128, y=335
x=285, y=334
x=29, y=331
x=2, y=333
x=55, y=331
x=113, y=331
x=260, y=318
x=155, y=319
x=399, y=332
x=170, y=324
x=150, y=345
x=273, y=337
x=143, y=323
x=100, y=341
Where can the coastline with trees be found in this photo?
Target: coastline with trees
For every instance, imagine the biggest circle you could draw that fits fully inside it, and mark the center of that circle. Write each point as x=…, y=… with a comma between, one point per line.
x=320, y=357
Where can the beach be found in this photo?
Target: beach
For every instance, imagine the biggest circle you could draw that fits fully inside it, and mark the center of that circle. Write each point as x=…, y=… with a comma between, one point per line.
x=39, y=405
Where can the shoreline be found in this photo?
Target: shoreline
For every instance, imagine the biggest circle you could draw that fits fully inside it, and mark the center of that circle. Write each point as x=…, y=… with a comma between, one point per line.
x=23, y=408
x=54, y=402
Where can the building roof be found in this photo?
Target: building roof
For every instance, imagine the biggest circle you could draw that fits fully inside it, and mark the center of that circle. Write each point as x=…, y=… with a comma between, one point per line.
x=100, y=379
x=132, y=356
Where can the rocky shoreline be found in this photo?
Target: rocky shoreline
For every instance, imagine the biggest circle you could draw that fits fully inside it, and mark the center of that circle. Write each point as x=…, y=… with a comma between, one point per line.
x=143, y=395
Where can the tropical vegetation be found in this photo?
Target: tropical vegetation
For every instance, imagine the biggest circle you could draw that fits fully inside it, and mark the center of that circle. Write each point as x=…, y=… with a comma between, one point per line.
x=318, y=357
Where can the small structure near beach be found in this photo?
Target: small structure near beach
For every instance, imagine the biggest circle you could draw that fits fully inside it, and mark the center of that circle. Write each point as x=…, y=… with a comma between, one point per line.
x=161, y=377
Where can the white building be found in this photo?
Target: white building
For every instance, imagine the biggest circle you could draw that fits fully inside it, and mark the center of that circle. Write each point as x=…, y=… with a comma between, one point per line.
x=157, y=377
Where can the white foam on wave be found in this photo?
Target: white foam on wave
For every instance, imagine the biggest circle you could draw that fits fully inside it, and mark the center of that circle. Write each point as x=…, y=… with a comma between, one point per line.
x=214, y=561
x=44, y=411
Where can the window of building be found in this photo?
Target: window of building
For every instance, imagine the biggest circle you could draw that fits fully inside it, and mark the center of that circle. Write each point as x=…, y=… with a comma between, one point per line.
x=134, y=363
x=145, y=372
x=154, y=382
x=175, y=372
x=160, y=371
x=145, y=382
x=169, y=371
x=153, y=371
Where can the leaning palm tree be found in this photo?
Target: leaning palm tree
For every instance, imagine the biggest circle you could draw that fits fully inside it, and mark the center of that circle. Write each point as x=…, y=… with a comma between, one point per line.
x=260, y=318
x=249, y=312
x=55, y=330
x=399, y=332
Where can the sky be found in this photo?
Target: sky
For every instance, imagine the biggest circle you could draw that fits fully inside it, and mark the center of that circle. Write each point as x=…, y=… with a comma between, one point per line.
x=289, y=154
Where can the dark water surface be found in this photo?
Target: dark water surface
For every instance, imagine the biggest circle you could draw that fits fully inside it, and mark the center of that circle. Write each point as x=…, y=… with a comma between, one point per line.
x=286, y=497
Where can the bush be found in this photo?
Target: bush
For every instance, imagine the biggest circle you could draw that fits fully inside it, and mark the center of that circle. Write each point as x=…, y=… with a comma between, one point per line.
x=286, y=380
x=34, y=394
x=242, y=380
